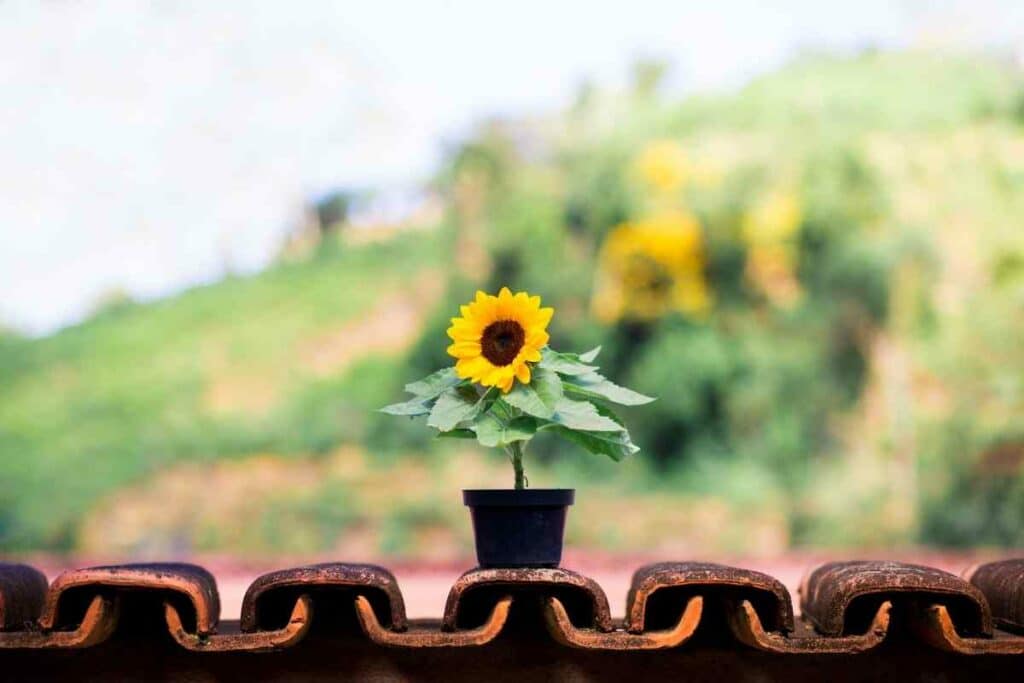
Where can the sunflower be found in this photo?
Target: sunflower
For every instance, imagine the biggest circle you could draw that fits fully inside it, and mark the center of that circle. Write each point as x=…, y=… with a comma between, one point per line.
x=651, y=266
x=498, y=336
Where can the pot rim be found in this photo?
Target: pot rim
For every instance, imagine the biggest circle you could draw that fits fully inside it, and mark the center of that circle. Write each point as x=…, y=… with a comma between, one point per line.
x=518, y=497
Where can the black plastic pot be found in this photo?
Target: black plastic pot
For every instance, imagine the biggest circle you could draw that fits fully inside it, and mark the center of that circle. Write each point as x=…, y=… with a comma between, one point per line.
x=518, y=528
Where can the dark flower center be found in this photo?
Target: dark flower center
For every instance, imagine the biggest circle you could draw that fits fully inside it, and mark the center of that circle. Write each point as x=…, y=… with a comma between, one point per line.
x=501, y=341
x=644, y=274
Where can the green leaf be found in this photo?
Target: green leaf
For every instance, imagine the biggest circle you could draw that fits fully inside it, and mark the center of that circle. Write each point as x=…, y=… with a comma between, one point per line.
x=411, y=408
x=564, y=363
x=610, y=414
x=493, y=433
x=595, y=385
x=452, y=407
x=591, y=355
x=488, y=429
x=615, y=445
x=584, y=416
x=539, y=397
x=435, y=384
x=457, y=434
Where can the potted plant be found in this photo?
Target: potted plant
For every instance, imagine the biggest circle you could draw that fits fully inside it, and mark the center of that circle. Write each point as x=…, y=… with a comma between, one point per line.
x=507, y=386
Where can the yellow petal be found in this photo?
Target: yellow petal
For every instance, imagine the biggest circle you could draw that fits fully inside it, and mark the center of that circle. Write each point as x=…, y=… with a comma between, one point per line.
x=463, y=368
x=504, y=305
x=464, y=349
x=464, y=324
x=531, y=354
x=537, y=339
x=484, y=310
x=472, y=368
x=494, y=377
x=523, y=373
x=506, y=384
x=462, y=334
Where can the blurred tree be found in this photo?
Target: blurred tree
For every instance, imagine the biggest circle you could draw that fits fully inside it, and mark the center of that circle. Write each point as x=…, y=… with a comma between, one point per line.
x=332, y=210
x=648, y=76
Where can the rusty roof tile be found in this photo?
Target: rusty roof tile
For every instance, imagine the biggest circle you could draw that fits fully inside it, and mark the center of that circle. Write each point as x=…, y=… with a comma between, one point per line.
x=424, y=633
x=271, y=598
x=934, y=625
x=96, y=625
x=837, y=596
x=234, y=640
x=22, y=592
x=847, y=607
x=666, y=586
x=1002, y=583
x=746, y=626
x=192, y=585
x=475, y=592
x=562, y=629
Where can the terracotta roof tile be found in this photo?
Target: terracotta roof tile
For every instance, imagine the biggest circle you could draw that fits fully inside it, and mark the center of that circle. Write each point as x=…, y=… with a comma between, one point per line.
x=846, y=606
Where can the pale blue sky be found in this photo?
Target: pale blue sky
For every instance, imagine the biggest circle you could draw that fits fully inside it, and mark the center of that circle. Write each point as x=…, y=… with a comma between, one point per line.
x=142, y=145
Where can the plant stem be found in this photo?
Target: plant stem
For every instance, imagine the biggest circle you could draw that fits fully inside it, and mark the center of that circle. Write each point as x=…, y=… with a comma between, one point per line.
x=515, y=451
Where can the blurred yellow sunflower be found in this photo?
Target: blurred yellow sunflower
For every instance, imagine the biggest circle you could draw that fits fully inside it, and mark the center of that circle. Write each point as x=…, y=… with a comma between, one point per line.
x=497, y=338
x=650, y=267
x=663, y=165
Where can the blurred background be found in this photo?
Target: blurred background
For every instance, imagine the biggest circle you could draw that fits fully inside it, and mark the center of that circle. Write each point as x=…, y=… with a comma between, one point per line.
x=230, y=233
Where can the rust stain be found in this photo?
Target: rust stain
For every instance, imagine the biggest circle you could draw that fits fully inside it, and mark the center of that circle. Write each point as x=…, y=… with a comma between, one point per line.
x=472, y=589
x=430, y=635
x=706, y=578
x=359, y=579
x=564, y=632
x=259, y=641
x=97, y=625
x=828, y=592
x=194, y=583
x=746, y=625
x=935, y=626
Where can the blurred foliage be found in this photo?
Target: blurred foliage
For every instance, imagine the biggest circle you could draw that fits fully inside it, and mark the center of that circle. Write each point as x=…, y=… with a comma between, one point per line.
x=820, y=276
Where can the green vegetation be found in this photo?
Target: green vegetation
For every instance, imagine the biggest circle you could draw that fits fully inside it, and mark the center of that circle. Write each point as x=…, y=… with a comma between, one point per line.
x=219, y=372
x=821, y=278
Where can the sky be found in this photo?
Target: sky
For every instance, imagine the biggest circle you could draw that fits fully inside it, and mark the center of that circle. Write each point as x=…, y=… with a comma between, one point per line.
x=146, y=147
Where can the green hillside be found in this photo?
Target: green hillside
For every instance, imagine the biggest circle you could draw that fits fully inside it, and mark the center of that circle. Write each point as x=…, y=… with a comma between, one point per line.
x=216, y=372
x=821, y=276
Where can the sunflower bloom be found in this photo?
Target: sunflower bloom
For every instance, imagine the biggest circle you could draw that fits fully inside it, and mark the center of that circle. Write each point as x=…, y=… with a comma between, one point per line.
x=497, y=337
x=652, y=266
